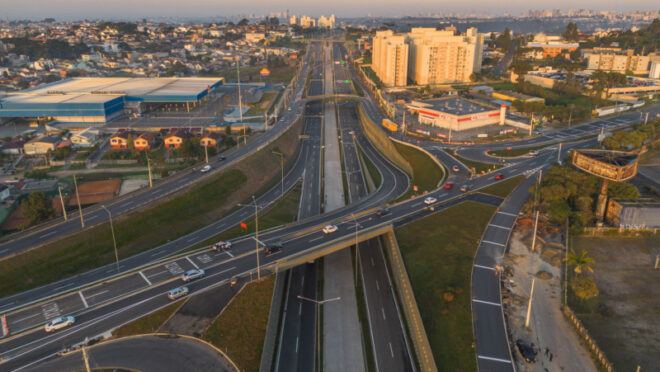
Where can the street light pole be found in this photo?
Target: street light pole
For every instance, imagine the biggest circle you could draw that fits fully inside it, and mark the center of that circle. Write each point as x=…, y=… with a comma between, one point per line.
x=318, y=324
x=256, y=234
x=82, y=220
x=114, y=241
x=59, y=189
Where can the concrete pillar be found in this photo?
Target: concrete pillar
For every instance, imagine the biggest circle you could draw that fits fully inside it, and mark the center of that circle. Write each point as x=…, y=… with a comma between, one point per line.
x=188, y=106
x=502, y=114
x=601, y=205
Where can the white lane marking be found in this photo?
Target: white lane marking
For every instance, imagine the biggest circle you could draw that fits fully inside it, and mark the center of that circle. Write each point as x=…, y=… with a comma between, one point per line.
x=26, y=318
x=494, y=359
x=259, y=241
x=157, y=253
x=315, y=239
x=297, y=339
x=391, y=350
x=144, y=277
x=489, y=242
x=4, y=250
x=191, y=262
x=299, y=308
x=500, y=227
x=507, y=214
x=83, y=299
x=229, y=269
x=96, y=294
x=62, y=286
x=302, y=282
x=486, y=302
x=377, y=286
x=47, y=234
x=372, y=261
x=383, y=311
x=484, y=267
x=229, y=254
x=191, y=239
x=91, y=217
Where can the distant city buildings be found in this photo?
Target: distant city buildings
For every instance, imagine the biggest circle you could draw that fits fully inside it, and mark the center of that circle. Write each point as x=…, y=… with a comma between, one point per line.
x=622, y=62
x=309, y=22
x=427, y=56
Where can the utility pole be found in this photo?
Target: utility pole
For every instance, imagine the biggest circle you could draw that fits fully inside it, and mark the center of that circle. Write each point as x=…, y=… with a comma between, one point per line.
x=256, y=234
x=559, y=154
x=206, y=153
x=566, y=268
x=114, y=240
x=75, y=184
x=647, y=118
x=570, y=116
x=536, y=222
x=149, y=169
x=59, y=189
x=529, y=305
x=85, y=359
x=240, y=103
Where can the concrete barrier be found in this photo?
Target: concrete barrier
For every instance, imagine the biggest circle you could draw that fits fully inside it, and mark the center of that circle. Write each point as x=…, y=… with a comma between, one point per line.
x=406, y=295
x=268, y=352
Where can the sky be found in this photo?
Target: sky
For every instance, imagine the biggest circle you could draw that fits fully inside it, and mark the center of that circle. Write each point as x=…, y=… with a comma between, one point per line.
x=135, y=9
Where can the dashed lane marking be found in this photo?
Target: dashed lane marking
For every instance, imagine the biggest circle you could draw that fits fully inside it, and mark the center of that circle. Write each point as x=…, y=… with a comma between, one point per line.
x=191, y=262
x=83, y=299
x=494, y=359
x=144, y=277
x=486, y=302
x=489, y=242
x=507, y=214
x=484, y=267
x=500, y=227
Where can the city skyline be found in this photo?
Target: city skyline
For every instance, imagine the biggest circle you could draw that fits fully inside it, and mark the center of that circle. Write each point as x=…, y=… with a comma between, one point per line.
x=123, y=9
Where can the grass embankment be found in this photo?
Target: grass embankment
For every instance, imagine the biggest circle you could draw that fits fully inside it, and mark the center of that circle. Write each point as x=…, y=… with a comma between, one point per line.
x=504, y=188
x=149, y=323
x=374, y=174
x=426, y=173
x=263, y=104
x=241, y=328
x=515, y=152
x=438, y=252
x=140, y=231
x=478, y=167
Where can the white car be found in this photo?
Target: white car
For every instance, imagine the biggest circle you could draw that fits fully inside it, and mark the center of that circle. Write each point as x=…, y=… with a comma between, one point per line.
x=329, y=229
x=430, y=200
x=59, y=323
x=177, y=292
x=222, y=245
x=456, y=169
x=192, y=274
x=205, y=169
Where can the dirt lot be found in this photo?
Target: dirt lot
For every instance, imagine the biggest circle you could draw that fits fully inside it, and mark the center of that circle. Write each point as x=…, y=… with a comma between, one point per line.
x=547, y=328
x=16, y=220
x=626, y=320
x=96, y=192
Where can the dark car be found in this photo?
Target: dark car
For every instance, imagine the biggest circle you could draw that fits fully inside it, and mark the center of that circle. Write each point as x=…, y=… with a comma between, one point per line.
x=382, y=212
x=528, y=353
x=465, y=188
x=222, y=157
x=273, y=248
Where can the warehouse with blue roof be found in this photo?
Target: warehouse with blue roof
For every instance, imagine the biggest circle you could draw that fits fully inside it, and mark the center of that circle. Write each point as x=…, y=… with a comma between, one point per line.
x=100, y=100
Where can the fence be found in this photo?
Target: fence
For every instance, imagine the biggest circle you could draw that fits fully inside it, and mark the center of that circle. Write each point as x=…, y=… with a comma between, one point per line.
x=622, y=232
x=597, y=353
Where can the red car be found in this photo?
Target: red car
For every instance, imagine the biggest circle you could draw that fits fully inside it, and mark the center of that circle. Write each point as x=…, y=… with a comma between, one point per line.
x=449, y=185
x=499, y=176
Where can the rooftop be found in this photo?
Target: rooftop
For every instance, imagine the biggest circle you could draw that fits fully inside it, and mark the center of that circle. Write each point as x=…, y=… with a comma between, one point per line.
x=455, y=106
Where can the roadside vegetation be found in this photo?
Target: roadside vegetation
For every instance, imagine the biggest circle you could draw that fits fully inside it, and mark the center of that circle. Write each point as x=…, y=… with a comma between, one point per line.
x=142, y=230
x=633, y=139
x=477, y=167
x=373, y=172
x=149, y=323
x=503, y=188
x=240, y=329
x=512, y=153
x=426, y=173
x=438, y=252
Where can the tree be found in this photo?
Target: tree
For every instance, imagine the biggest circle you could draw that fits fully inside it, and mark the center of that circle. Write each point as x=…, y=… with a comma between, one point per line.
x=584, y=288
x=571, y=33
x=37, y=207
x=622, y=190
x=559, y=210
x=580, y=262
x=243, y=22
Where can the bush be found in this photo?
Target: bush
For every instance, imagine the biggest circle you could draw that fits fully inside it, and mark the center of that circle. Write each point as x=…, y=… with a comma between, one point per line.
x=584, y=288
x=37, y=207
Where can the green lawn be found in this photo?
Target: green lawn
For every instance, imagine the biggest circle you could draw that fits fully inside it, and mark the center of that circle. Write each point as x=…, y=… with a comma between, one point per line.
x=426, y=173
x=240, y=329
x=149, y=323
x=371, y=168
x=265, y=102
x=515, y=152
x=478, y=167
x=197, y=207
x=503, y=188
x=438, y=252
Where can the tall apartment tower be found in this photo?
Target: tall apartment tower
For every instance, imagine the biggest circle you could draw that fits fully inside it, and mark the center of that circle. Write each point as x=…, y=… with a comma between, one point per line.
x=441, y=56
x=390, y=58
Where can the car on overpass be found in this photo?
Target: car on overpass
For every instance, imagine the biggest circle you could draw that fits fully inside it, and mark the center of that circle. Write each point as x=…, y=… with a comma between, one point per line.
x=430, y=200
x=448, y=185
x=59, y=323
x=330, y=229
x=382, y=212
x=192, y=275
x=499, y=176
x=456, y=169
x=205, y=169
x=222, y=245
x=177, y=292
x=465, y=188
x=273, y=248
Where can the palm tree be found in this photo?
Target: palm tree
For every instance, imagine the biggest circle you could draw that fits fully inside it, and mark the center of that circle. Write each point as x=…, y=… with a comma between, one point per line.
x=581, y=262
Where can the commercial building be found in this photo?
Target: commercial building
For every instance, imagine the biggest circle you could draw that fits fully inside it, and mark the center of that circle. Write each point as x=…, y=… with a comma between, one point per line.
x=619, y=62
x=511, y=96
x=553, y=49
x=328, y=22
x=457, y=113
x=41, y=145
x=390, y=58
x=100, y=100
x=634, y=214
x=426, y=56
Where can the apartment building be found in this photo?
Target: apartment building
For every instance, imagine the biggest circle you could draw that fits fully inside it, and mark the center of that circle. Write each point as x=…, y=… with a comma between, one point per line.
x=619, y=62
x=390, y=58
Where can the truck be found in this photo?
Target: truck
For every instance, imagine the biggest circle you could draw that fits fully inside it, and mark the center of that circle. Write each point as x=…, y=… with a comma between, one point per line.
x=390, y=125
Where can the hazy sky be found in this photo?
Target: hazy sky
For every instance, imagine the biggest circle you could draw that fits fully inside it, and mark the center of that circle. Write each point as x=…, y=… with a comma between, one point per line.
x=132, y=9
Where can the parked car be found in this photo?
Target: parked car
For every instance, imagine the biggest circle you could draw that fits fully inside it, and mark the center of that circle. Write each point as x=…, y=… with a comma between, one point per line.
x=382, y=212
x=59, y=323
x=205, y=169
x=273, y=248
x=528, y=353
x=499, y=176
x=448, y=185
x=430, y=200
x=456, y=169
x=192, y=275
x=330, y=229
x=465, y=188
x=222, y=245
x=177, y=292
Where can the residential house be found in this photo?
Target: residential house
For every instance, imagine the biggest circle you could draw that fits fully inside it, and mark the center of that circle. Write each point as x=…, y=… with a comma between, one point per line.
x=41, y=145
x=175, y=139
x=85, y=138
x=144, y=141
x=13, y=147
x=4, y=192
x=119, y=140
x=210, y=139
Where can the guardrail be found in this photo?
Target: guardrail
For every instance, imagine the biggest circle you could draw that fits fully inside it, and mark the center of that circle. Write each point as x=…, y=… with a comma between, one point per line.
x=268, y=351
